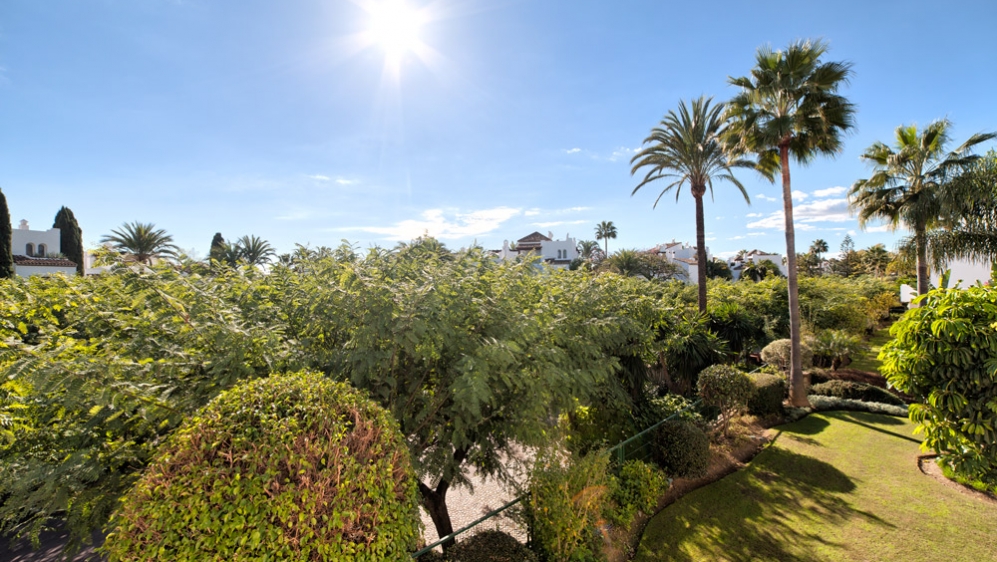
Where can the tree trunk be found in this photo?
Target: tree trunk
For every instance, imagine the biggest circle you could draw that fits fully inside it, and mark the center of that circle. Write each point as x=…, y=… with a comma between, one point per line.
x=797, y=384
x=697, y=192
x=921, y=243
x=435, y=502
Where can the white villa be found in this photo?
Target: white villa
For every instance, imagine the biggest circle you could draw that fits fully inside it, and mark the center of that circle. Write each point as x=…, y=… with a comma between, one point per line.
x=737, y=263
x=556, y=253
x=35, y=250
x=682, y=255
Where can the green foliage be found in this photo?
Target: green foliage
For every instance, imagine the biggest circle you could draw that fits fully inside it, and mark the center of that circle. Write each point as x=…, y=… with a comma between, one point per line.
x=217, y=250
x=778, y=353
x=737, y=326
x=856, y=391
x=832, y=347
x=637, y=489
x=565, y=507
x=290, y=467
x=821, y=403
x=726, y=388
x=756, y=271
x=6, y=235
x=944, y=354
x=690, y=347
x=718, y=269
x=70, y=237
x=767, y=395
x=682, y=449
x=486, y=546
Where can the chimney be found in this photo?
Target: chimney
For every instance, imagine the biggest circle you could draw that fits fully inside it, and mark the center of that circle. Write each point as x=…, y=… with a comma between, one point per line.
x=550, y=235
x=23, y=225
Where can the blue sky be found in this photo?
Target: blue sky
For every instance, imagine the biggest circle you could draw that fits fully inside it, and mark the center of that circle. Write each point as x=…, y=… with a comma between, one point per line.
x=281, y=119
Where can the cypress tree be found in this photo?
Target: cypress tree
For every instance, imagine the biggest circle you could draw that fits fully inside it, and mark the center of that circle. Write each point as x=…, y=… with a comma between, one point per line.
x=70, y=237
x=217, y=252
x=6, y=233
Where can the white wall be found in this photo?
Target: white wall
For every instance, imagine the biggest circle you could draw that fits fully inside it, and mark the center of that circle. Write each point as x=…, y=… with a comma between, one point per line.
x=50, y=238
x=965, y=271
x=567, y=247
x=29, y=270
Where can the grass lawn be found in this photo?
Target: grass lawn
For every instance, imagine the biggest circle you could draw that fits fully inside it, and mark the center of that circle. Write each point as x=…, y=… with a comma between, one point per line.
x=869, y=360
x=833, y=486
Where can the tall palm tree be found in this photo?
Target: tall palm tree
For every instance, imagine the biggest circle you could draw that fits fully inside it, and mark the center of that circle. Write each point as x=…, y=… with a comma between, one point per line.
x=876, y=259
x=909, y=181
x=255, y=250
x=790, y=106
x=604, y=231
x=818, y=247
x=687, y=147
x=587, y=249
x=142, y=241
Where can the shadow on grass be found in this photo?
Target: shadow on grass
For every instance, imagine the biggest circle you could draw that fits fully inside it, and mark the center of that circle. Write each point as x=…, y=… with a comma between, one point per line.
x=810, y=425
x=873, y=422
x=755, y=514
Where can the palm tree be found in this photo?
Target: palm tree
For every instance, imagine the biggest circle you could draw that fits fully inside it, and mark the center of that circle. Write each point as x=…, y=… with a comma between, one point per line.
x=818, y=247
x=254, y=250
x=876, y=259
x=909, y=181
x=628, y=263
x=604, y=231
x=687, y=147
x=587, y=249
x=142, y=241
x=789, y=106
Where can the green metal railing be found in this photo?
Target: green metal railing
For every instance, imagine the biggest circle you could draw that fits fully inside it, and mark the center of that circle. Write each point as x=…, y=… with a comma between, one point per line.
x=621, y=453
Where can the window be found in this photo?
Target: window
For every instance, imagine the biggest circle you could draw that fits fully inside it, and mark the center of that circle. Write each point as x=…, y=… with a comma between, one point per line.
x=29, y=250
x=42, y=250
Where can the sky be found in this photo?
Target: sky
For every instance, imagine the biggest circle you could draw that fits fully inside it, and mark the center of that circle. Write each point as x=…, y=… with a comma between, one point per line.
x=475, y=121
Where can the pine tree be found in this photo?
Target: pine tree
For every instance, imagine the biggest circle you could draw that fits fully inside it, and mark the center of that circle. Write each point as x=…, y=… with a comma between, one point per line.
x=6, y=233
x=217, y=251
x=70, y=237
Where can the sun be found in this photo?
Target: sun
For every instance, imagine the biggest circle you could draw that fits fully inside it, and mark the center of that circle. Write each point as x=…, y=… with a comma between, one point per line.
x=395, y=27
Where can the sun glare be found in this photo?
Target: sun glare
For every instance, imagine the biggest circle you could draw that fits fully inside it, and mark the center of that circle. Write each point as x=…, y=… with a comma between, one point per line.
x=394, y=27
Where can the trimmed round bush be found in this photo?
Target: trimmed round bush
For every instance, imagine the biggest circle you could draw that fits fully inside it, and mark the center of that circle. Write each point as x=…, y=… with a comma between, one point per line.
x=290, y=467
x=682, y=450
x=726, y=388
x=767, y=395
x=777, y=353
x=486, y=546
x=856, y=391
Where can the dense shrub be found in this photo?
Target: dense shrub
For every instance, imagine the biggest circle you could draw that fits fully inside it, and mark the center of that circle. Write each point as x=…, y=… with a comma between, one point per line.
x=832, y=348
x=637, y=490
x=567, y=500
x=943, y=354
x=290, y=467
x=778, y=353
x=661, y=407
x=829, y=403
x=767, y=395
x=856, y=391
x=682, y=450
x=486, y=546
x=726, y=388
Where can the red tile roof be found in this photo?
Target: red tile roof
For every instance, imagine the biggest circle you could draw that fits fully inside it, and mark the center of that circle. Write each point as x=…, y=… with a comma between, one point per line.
x=43, y=262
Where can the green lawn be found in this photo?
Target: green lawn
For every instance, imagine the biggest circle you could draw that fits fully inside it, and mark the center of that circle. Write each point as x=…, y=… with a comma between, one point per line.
x=868, y=360
x=833, y=486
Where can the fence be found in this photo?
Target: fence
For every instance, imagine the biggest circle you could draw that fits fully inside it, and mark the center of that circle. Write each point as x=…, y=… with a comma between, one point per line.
x=637, y=447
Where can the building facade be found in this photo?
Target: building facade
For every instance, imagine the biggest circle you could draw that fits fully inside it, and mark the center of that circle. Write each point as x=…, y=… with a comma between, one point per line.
x=38, y=252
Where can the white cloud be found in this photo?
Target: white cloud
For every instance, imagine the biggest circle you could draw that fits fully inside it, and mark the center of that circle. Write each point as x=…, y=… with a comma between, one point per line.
x=532, y=212
x=319, y=177
x=831, y=191
x=556, y=223
x=342, y=181
x=710, y=239
x=827, y=210
x=572, y=150
x=881, y=228
x=851, y=233
x=799, y=195
x=535, y=211
x=757, y=233
x=719, y=218
x=444, y=224
x=752, y=215
x=737, y=238
x=622, y=153
x=764, y=197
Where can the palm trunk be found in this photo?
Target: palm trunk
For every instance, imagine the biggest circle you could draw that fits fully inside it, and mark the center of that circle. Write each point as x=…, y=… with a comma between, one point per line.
x=921, y=242
x=797, y=384
x=698, y=192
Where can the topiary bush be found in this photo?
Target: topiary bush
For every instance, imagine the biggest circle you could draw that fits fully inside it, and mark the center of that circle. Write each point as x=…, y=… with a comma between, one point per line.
x=943, y=355
x=777, y=353
x=290, y=467
x=486, y=546
x=567, y=499
x=637, y=490
x=726, y=388
x=856, y=391
x=681, y=449
x=767, y=395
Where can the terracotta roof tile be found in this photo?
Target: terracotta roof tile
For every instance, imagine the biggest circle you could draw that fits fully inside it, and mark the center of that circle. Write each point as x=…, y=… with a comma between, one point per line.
x=43, y=262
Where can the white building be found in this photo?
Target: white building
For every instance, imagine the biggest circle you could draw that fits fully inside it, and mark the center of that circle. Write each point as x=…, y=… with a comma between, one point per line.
x=737, y=263
x=684, y=256
x=35, y=250
x=556, y=253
